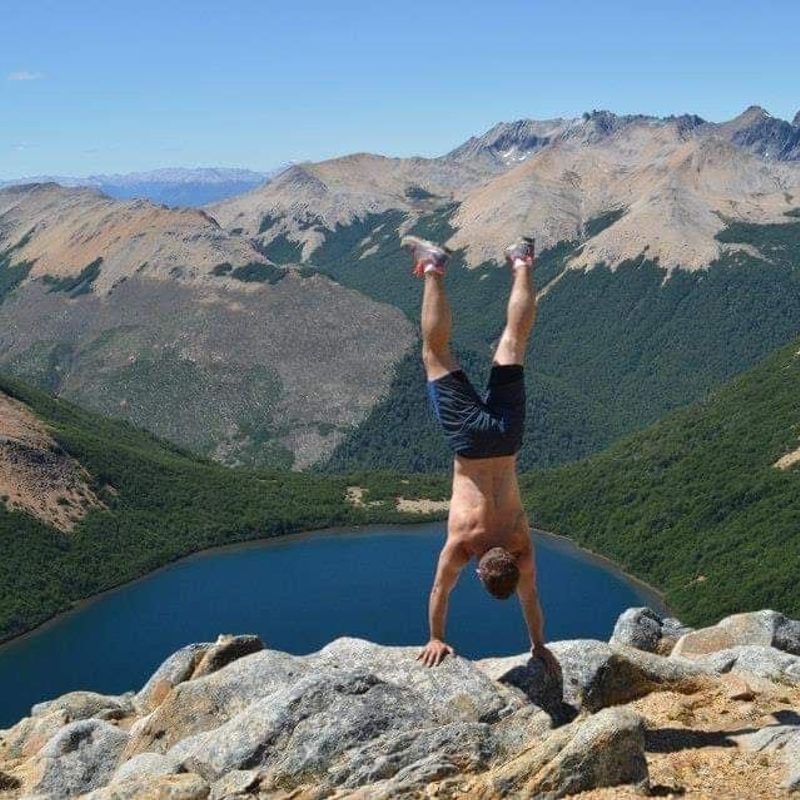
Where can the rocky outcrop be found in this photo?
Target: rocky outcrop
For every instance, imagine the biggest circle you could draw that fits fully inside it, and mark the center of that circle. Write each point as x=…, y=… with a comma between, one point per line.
x=360, y=721
x=760, y=628
x=644, y=629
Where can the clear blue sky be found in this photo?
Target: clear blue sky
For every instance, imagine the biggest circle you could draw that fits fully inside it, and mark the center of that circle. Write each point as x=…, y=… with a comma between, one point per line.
x=115, y=86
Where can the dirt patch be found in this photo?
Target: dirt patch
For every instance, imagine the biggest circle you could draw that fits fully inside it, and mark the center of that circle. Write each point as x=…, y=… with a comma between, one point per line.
x=789, y=460
x=355, y=496
x=36, y=476
x=421, y=505
x=692, y=748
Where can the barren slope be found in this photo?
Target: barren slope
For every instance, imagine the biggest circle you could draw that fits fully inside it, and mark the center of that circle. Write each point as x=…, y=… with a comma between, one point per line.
x=36, y=475
x=162, y=317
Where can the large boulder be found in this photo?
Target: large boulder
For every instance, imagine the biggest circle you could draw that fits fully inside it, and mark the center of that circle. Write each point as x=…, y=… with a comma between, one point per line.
x=82, y=756
x=194, y=661
x=395, y=764
x=455, y=690
x=783, y=739
x=85, y=705
x=638, y=627
x=147, y=787
x=194, y=706
x=176, y=669
x=647, y=630
x=225, y=650
x=30, y=734
x=296, y=734
x=594, y=675
x=764, y=662
x=604, y=750
x=757, y=628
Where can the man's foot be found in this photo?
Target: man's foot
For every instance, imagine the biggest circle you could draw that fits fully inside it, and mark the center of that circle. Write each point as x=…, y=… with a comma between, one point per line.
x=428, y=257
x=522, y=252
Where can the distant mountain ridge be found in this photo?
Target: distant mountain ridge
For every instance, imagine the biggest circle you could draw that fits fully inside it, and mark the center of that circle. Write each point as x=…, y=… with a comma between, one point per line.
x=240, y=329
x=171, y=186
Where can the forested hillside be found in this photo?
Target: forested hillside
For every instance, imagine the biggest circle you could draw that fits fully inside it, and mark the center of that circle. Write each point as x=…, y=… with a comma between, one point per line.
x=705, y=504
x=612, y=351
x=158, y=503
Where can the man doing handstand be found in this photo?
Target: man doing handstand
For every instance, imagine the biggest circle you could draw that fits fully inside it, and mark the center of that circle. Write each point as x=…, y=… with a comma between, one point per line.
x=486, y=519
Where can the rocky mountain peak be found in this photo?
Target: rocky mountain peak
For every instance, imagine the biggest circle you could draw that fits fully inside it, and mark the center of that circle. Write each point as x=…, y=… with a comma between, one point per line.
x=511, y=142
x=796, y=120
x=358, y=720
x=756, y=130
x=752, y=114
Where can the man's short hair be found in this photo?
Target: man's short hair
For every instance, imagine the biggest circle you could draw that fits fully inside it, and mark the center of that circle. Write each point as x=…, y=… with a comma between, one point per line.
x=498, y=572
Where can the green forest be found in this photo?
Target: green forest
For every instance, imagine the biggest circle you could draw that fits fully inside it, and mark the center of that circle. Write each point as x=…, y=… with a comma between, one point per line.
x=694, y=504
x=612, y=351
x=162, y=503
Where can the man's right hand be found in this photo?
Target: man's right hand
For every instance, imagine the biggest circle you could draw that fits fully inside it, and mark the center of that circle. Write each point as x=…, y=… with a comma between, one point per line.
x=434, y=653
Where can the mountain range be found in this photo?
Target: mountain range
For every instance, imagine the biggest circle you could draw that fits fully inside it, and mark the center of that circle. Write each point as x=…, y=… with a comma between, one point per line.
x=277, y=327
x=170, y=186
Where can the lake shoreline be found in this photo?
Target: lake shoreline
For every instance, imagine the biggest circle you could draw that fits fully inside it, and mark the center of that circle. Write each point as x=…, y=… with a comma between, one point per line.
x=653, y=596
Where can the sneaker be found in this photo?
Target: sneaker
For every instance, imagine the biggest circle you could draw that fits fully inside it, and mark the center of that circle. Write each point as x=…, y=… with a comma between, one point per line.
x=523, y=250
x=428, y=257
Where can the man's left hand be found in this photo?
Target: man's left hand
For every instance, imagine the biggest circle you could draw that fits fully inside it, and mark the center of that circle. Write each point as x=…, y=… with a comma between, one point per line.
x=545, y=655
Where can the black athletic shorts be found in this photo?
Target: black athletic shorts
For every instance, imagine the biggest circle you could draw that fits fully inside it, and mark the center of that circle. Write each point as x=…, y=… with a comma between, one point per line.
x=481, y=427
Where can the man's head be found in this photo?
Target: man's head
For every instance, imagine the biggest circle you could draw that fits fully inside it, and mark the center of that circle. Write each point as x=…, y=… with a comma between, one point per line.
x=498, y=572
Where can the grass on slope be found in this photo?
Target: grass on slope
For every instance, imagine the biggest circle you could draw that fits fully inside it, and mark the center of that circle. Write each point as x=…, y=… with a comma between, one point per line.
x=163, y=503
x=694, y=504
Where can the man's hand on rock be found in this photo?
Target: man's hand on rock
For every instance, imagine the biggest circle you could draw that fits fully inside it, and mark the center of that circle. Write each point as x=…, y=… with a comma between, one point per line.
x=547, y=658
x=434, y=653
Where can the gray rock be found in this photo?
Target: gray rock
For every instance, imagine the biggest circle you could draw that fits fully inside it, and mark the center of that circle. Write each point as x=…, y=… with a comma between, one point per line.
x=147, y=787
x=765, y=662
x=783, y=739
x=410, y=760
x=671, y=630
x=237, y=782
x=529, y=683
x=646, y=630
x=759, y=628
x=174, y=670
x=31, y=734
x=204, y=703
x=226, y=650
x=82, y=756
x=456, y=690
x=85, y=705
x=582, y=661
x=295, y=734
x=638, y=627
x=787, y=635
x=595, y=675
x=521, y=729
x=145, y=764
x=606, y=749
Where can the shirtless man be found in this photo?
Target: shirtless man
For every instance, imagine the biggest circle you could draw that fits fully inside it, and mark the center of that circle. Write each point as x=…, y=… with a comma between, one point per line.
x=486, y=520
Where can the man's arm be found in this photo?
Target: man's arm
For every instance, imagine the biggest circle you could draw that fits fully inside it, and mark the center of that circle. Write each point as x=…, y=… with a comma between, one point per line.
x=529, y=598
x=451, y=561
x=528, y=594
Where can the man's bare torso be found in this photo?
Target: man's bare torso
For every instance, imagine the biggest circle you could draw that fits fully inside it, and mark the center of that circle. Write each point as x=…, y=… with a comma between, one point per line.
x=486, y=508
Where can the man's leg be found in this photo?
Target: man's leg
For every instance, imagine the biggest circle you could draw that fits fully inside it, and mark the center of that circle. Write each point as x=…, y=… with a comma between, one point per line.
x=437, y=321
x=520, y=316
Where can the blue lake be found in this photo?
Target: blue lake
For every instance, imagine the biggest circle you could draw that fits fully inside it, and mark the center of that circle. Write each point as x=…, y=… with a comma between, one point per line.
x=298, y=593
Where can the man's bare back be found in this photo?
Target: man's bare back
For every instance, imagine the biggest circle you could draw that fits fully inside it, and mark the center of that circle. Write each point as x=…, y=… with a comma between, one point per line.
x=487, y=520
x=486, y=508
